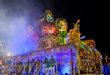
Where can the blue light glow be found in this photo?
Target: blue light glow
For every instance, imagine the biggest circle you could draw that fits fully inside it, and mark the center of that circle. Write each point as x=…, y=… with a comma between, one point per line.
x=66, y=69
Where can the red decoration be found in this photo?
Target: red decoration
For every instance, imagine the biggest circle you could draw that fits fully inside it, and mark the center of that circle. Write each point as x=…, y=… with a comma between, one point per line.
x=49, y=29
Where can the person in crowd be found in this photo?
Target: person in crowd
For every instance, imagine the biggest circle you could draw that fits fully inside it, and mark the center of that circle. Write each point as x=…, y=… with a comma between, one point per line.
x=25, y=68
x=20, y=68
x=38, y=67
x=6, y=69
x=32, y=66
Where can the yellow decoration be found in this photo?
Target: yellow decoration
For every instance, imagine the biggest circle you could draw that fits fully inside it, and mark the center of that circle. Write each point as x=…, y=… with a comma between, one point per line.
x=74, y=34
x=61, y=26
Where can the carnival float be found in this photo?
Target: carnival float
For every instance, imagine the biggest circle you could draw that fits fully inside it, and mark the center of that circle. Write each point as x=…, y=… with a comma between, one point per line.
x=59, y=52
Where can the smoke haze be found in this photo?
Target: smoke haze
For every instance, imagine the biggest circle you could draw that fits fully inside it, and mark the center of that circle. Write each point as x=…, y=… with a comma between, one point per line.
x=16, y=19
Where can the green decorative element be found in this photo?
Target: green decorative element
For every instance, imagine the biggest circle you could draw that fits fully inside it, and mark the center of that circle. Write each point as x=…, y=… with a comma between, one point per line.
x=52, y=61
x=61, y=26
x=63, y=34
x=83, y=46
x=61, y=40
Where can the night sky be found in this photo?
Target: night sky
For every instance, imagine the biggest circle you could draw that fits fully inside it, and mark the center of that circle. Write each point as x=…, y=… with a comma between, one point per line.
x=94, y=16
x=94, y=19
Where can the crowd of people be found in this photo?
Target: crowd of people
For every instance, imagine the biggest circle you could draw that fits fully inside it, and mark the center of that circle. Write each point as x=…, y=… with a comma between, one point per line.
x=31, y=67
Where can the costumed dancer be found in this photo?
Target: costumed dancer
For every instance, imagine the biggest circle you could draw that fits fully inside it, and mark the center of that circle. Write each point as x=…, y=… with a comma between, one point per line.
x=52, y=65
x=47, y=64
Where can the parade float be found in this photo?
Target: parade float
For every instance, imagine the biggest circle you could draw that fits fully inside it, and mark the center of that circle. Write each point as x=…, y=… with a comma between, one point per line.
x=60, y=51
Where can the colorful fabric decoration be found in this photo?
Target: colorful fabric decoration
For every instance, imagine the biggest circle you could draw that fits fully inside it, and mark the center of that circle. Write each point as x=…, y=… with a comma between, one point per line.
x=61, y=26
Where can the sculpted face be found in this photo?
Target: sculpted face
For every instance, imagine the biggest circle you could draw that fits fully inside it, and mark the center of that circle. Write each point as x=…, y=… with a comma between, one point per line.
x=62, y=26
x=49, y=18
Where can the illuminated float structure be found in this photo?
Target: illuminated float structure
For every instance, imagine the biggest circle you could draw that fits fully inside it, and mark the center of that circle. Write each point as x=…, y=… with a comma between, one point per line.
x=71, y=54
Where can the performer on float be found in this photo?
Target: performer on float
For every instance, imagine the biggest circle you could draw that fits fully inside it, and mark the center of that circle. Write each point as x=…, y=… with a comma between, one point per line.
x=61, y=26
x=47, y=64
x=52, y=65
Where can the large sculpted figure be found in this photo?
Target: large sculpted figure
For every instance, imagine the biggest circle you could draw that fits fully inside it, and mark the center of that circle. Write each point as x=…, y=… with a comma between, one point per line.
x=48, y=26
x=74, y=34
x=61, y=26
x=49, y=31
